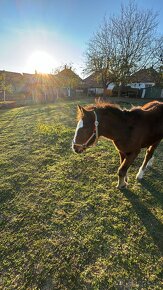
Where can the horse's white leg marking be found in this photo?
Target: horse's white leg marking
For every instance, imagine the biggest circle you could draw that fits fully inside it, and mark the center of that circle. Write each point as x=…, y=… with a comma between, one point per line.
x=150, y=162
x=79, y=125
x=140, y=173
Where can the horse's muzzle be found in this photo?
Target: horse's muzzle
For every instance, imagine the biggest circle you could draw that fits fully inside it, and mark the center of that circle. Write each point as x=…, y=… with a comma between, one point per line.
x=78, y=149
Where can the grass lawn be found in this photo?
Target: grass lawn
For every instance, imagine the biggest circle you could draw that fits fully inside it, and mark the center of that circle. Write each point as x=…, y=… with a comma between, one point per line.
x=63, y=223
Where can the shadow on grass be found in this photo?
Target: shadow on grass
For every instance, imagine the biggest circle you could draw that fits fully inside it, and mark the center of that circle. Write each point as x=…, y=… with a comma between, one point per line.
x=5, y=196
x=151, y=223
x=156, y=173
x=154, y=192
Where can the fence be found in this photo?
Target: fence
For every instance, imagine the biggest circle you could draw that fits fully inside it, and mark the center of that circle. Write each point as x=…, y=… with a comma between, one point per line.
x=152, y=93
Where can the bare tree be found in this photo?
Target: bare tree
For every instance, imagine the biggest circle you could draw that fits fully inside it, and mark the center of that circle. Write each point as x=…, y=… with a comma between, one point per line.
x=124, y=44
x=159, y=57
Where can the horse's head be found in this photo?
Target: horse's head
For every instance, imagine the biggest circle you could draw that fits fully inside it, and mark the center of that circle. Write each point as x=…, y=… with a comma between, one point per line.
x=86, y=133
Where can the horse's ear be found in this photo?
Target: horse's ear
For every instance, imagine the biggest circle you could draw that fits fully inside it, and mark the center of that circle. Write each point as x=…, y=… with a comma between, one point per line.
x=83, y=111
x=80, y=111
x=80, y=108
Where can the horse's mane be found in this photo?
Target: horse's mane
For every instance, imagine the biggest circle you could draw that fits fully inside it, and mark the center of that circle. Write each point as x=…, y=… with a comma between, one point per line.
x=102, y=105
x=99, y=105
x=117, y=108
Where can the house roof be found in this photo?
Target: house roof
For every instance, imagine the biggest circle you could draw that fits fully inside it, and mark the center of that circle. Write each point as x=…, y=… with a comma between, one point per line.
x=148, y=75
x=67, y=77
x=11, y=75
x=67, y=73
x=93, y=81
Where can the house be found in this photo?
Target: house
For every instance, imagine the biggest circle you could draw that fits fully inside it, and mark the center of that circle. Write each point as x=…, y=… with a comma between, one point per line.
x=40, y=87
x=145, y=81
x=13, y=80
x=143, y=78
x=93, y=84
x=140, y=84
x=67, y=82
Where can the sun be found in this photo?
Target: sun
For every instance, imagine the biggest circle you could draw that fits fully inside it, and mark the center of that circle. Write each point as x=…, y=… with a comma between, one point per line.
x=40, y=61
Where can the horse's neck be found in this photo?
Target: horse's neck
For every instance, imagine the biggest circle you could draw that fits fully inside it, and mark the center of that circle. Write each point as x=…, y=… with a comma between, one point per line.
x=112, y=122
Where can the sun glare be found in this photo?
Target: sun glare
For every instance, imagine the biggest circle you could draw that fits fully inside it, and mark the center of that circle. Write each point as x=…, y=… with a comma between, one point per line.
x=40, y=61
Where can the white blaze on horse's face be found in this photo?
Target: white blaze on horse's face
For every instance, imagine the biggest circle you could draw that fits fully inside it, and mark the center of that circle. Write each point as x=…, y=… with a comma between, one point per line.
x=79, y=125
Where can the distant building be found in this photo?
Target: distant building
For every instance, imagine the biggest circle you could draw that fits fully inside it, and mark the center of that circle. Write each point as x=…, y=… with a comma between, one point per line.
x=93, y=84
x=42, y=87
x=144, y=78
x=139, y=84
x=68, y=82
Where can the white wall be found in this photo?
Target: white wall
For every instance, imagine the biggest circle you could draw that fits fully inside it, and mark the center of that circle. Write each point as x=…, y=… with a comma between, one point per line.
x=96, y=90
x=133, y=85
x=140, y=85
x=111, y=86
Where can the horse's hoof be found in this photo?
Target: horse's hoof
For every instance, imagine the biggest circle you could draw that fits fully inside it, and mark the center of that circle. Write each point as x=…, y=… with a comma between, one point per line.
x=122, y=186
x=139, y=177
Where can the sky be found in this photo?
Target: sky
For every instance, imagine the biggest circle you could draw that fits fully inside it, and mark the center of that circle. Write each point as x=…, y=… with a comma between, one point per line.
x=47, y=34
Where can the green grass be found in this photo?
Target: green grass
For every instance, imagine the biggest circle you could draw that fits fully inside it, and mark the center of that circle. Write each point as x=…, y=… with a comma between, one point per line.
x=64, y=225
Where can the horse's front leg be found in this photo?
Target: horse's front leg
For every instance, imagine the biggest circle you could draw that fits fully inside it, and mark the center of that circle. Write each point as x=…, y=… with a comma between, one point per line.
x=148, y=160
x=122, y=157
x=122, y=170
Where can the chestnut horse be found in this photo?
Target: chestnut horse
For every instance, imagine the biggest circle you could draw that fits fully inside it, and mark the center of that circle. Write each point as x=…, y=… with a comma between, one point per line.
x=130, y=130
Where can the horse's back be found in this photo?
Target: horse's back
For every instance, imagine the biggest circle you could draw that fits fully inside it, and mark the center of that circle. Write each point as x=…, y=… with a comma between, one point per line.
x=152, y=105
x=145, y=124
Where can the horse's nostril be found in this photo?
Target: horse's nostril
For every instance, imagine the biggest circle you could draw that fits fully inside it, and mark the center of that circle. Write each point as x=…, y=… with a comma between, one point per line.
x=77, y=149
x=80, y=151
